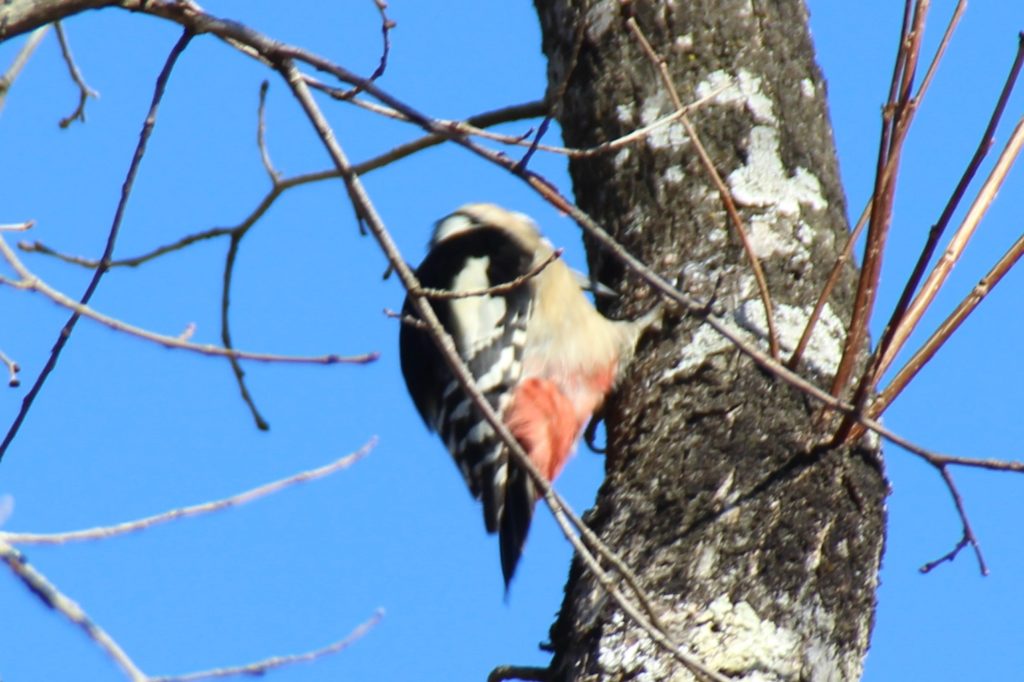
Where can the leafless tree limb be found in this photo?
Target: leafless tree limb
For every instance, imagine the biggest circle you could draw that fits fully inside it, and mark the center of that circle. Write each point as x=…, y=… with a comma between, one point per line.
x=106, y=532
x=260, y=668
x=937, y=230
x=503, y=115
x=31, y=282
x=20, y=59
x=69, y=326
x=52, y=597
x=896, y=118
x=986, y=195
x=39, y=585
x=84, y=91
x=261, y=131
x=947, y=328
x=12, y=370
x=968, y=537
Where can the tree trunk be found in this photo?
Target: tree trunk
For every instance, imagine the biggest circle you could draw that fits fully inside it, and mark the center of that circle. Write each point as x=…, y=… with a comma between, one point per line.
x=759, y=545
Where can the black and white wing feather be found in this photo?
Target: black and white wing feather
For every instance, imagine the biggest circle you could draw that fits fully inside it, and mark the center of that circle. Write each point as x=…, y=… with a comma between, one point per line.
x=490, y=333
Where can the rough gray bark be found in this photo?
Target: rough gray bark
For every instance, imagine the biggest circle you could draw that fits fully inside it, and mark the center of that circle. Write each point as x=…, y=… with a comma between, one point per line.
x=760, y=545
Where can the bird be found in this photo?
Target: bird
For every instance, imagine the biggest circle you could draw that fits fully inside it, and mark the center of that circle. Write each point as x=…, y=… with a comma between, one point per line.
x=538, y=350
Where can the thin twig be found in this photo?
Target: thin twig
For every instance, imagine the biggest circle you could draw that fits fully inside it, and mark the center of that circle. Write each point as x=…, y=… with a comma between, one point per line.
x=20, y=59
x=826, y=291
x=896, y=320
x=406, y=319
x=503, y=115
x=385, y=28
x=261, y=132
x=386, y=24
x=17, y=227
x=12, y=370
x=898, y=315
x=39, y=247
x=1015, y=467
x=455, y=128
x=968, y=537
x=84, y=91
x=106, y=532
x=556, y=95
x=833, y=278
x=108, y=250
x=986, y=195
x=225, y=330
x=31, y=282
x=896, y=117
x=947, y=328
x=716, y=179
x=260, y=668
x=40, y=586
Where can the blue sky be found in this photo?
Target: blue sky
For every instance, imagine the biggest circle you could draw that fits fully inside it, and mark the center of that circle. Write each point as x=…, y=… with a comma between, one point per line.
x=124, y=429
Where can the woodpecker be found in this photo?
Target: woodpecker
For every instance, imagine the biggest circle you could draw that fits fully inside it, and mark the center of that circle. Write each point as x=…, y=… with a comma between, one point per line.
x=540, y=353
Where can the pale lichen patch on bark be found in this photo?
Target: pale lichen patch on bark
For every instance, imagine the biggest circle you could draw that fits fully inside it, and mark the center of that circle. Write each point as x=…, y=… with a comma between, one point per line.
x=671, y=136
x=764, y=183
x=748, y=320
x=744, y=89
x=674, y=175
x=825, y=345
x=733, y=638
x=725, y=636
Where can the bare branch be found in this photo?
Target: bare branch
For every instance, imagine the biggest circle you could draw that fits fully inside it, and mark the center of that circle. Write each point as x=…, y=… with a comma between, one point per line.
x=126, y=189
x=935, y=280
x=39, y=247
x=968, y=538
x=896, y=117
x=935, y=234
x=225, y=330
x=12, y=370
x=84, y=91
x=105, y=532
x=986, y=195
x=261, y=142
x=262, y=667
x=947, y=328
x=38, y=584
x=31, y=282
x=18, y=227
x=503, y=115
x=386, y=24
x=20, y=59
